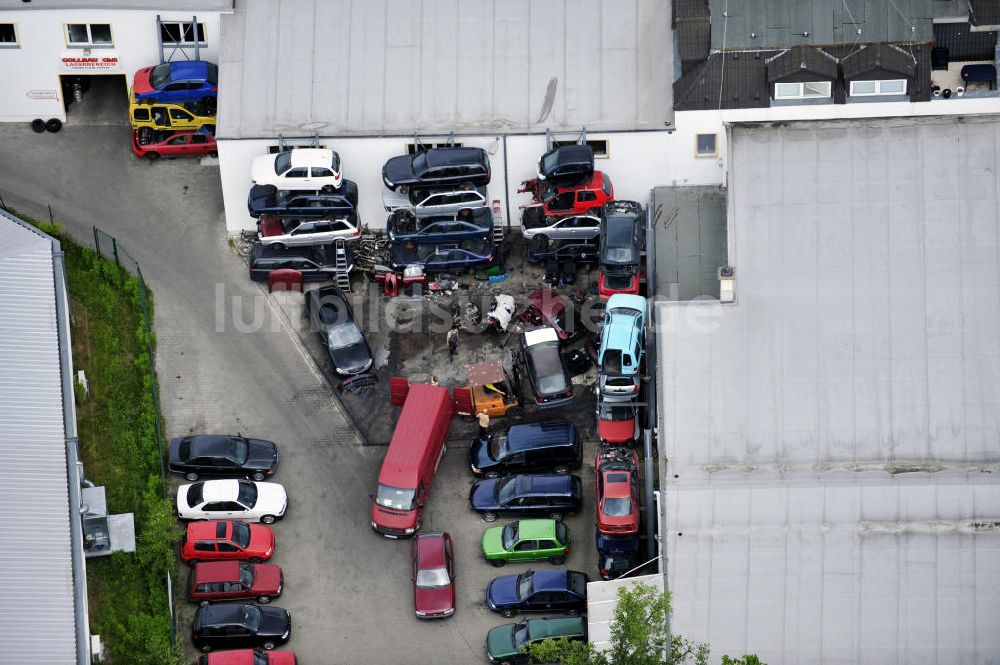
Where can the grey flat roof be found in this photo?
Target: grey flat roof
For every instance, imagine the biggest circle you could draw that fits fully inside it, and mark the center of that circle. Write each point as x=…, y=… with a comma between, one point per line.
x=833, y=438
x=36, y=560
x=475, y=66
x=690, y=240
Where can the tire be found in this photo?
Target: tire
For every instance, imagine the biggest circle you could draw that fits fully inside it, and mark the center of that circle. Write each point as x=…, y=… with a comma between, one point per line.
x=264, y=600
x=207, y=106
x=38, y=125
x=573, y=612
x=152, y=155
x=203, y=603
x=489, y=517
x=557, y=560
x=267, y=519
x=278, y=246
x=555, y=516
x=509, y=613
x=498, y=563
x=259, y=476
x=269, y=645
x=206, y=649
x=53, y=125
x=192, y=562
x=562, y=469
x=191, y=475
x=492, y=474
x=213, y=154
x=256, y=559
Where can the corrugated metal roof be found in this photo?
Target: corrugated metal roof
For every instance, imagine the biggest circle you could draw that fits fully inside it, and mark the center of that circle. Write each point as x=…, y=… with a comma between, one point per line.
x=833, y=486
x=394, y=67
x=37, y=620
x=985, y=12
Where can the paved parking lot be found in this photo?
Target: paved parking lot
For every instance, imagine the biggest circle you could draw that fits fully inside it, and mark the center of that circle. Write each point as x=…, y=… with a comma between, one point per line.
x=348, y=589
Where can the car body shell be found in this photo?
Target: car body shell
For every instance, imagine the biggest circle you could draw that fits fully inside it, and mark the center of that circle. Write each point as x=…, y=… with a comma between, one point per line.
x=421, y=202
x=301, y=169
x=168, y=117
x=438, y=167
x=622, y=348
x=227, y=625
x=543, y=365
x=431, y=553
x=552, y=309
x=304, y=204
x=587, y=198
x=234, y=580
x=293, y=232
x=441, y=257
x=526, y=495
x=316, y=263
x=616, y=555
x=248, y=657
x=331, y=317
x=220, y=540
x=621, y=237
x=538, y=591
x=566, y=165
x=503, y=647
x=222, y=455
x=543, y=250
x=623, y=283
x=148, y=142
x=617, y=422
x=536, y=540
x=458, y=227
x=188, y=81
x=221, y=499
x=527, y=448
x=563, y=227
x=616, y=483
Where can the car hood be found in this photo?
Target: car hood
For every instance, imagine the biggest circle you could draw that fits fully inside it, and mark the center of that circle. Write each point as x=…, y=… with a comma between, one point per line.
x=182, y=498
x=481, y=496
x=479, y=454
x=399, y=170
x=271, y=496
x=502, y=591
x=261, y=454
x=393, y=519
x=616, y=431
x=493, y=540
x=434, y=600
x=261, y=197
x=267, y=578
x=500, y=641
x=262, y=169
x=141, y=84
x=261, y=540
x=392, y=199
x=351, y=359
x=274, y=621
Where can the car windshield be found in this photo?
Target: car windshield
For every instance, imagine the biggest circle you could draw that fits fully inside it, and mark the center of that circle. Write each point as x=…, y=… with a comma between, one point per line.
x=434, y=578
x=611, y=363
x=251, y=618
x=247, y=494
x=578, y=584
x=505, y=490
x=246, y=574
x=420, y=163
x=525, y=585
x=615, y=412
x=282, y=162
x=238, y=450
x=519, y=634
x=548, y=368
x=618, y=507
x=346, y=334
x=160, y=76
x=395, y=497
x=562, y=533
x=196, y=493
x=498, y=446
x=241, y=534
x=509, y=535
x=550, y=161
x=260, y=658
x=620, y=247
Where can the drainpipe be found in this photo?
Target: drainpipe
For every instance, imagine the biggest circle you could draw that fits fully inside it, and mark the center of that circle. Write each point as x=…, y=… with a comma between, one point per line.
x=74, y=468
x=647, y=439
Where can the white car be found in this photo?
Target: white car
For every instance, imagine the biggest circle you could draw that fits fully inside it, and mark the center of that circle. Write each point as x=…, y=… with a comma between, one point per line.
x=570, y=227
x=243, y=500
x=422, y=202
x=280, y=233
x=298, y=168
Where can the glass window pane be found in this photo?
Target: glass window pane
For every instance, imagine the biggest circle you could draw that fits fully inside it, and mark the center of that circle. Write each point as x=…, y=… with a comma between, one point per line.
x=896, y=87
x=816, y=89
x=100, y=33
x=786, y=90
x=8, y=35
x=863, y=87
x=706, y=144
x=77, y=33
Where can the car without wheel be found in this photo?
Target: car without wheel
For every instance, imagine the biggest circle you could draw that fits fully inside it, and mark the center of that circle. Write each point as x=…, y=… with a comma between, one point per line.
x=552, y=309
x=317, y=263
x=586, y=198
x=564, y=227
x=538, y=591
x=282, y=232
x=240, y=625
x=566, y=165
x=222, y=455
x=543, y=365
x=332, y=319
x=543, y=250
x=436, y=257
x=617, y=422
x=616, y=555
x=433, y=574
x=621, y=237
x=551, y=495
x=504, y=644
x=227, y=540
x=421, y=201
x=299, y=169
x=622, y=347
x=232, y=499
x=527, y=540
x=248, y=657
x=235, y=580
x=179, y=82
x=617, y=486
x=551, y=445
x=474, y=224
x=172, y=117
x=438, y=167
x=340, y=203
x=152, y=144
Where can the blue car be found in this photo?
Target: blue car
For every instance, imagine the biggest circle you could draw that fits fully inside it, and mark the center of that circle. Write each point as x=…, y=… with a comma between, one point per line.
x=538, y=591
x=467, y=224
x=550, y=495
x=435, y=257
x=622, y=346
x=182, y=82
x=616, y=555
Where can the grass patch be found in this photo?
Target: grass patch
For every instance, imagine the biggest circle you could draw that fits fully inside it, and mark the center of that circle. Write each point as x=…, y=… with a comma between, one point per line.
x=119, y=448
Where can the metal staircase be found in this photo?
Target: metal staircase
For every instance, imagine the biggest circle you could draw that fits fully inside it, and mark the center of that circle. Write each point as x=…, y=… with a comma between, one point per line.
x=342, y=265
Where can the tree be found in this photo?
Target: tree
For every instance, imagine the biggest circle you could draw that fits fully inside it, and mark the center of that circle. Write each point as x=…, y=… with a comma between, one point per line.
x=639, y=636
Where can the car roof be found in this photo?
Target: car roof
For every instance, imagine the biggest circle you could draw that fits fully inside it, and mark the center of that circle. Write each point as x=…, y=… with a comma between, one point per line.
x=620, y=331
x=209, y=444
x=616, y=484
x=221, y=613
x=430, y=549
x=556, y=626
x=576, y=153
x=311, y=157
x=539, y=435
x=221, y=490
x=207, y=530
x=550, y=580
x=540, y=335
x=216, y=571
x=448, y=156
x=533, y=484
x=626, y=301
x=596, y=181
x=188, y=69
x=536, y=529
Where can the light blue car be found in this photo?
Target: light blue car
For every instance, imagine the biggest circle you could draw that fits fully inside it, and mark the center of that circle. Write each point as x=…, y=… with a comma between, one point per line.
x=623, y=343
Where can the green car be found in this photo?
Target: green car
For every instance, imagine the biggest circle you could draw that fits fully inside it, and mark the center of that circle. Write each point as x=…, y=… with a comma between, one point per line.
x=527, y=540
x=503, y=643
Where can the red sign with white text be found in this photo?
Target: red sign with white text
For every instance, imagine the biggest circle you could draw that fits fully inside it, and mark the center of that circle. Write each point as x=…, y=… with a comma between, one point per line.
x=80, y=62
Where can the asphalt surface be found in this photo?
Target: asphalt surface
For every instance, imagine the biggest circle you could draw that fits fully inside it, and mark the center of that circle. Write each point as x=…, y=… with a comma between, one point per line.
x=347, y=588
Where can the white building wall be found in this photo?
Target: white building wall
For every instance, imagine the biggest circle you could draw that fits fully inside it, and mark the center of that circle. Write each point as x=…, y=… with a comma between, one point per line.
x=29, y=74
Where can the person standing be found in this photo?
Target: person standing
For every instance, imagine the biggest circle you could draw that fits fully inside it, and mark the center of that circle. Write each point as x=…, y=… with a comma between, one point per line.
x=484, y=425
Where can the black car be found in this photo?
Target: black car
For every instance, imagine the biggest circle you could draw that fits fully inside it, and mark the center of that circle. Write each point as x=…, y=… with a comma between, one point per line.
x=441, y=257
x=538, y=591
x=566, y=165
x=222, y=455
x=526, y=496
x=621, y=237
x=436, y=167
x=341, y=203
x=616, y=555
x=543, y=249
x=331, y=317
x=552, y=445
x=316, y=263
x=543, y=364
x=240, y=625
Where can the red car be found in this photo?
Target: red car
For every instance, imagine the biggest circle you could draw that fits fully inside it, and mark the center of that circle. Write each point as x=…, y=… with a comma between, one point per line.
x=152, y=144
x=433, y=575
x=226, y=540
x=617, y=482
x=584, y=199
x=249, y=657
x=608, y=285
x=617, y=422
x=235, y=580
x=546, y=307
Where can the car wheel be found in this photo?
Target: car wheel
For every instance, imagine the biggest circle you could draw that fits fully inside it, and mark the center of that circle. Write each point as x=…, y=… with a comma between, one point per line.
x=555, y=516
x=192, y=562
x=573, y=612
x=38, y=125
x=492, y=474
x=562, y=469
x=264, y=600
x=259, y=476
x=269, y=645
x=206, y=648
x=213, y=154
x=256, y=559
x=207, y=106
x=53, y=125
x=203, y=603
x=498, y=563
x=509, y=613
x=489, y=517
x=152, y=155
x=267, y=519
x=191, y=475
x=557, y=560
x=278, y=246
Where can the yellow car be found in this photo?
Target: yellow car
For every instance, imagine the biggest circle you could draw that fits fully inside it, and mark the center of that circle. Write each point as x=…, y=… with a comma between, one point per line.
x=166, y=116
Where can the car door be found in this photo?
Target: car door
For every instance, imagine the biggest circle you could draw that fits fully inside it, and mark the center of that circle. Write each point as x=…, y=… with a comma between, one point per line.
x=302, y=234
x=298, y=175
x=524, y=550
x=174, y=92
x=548, y=548
x=218, y=509
x=176, y=145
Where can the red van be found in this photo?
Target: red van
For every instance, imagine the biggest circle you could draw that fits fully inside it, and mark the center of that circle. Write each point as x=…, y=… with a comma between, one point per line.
x=416, y=448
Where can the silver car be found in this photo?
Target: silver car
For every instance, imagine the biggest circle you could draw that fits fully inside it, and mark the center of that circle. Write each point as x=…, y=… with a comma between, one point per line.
x=570, y=227
x=423, y=202
x=280, y=233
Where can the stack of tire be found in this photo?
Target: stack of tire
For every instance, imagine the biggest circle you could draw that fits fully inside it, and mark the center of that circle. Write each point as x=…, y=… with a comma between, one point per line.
x=52, y=124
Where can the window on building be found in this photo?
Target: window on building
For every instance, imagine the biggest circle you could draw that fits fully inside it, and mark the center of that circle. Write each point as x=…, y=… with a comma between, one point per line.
x=600, y=147
x=873, y=88
x=706, y=145
x=179, y=33
x=275, y=149
x=89, y=34
x=412, y=148
x=806, y=90
x=8, y=35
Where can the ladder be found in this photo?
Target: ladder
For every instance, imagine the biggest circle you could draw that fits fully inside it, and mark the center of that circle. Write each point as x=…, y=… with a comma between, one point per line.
x=342, y=265
x=499, y=230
